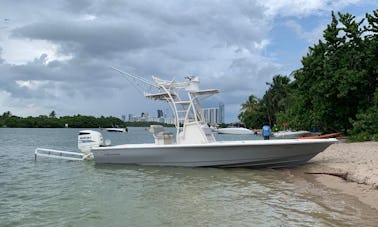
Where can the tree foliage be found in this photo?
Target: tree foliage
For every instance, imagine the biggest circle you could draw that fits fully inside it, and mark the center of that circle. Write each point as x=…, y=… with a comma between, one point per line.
x=76, y=121
x=337, y=79
x=250, y=113
x=51, y=121
x=255, y=112
x=336, y=87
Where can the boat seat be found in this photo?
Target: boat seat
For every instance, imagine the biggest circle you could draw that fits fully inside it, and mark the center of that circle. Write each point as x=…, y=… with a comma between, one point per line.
x=163, y=138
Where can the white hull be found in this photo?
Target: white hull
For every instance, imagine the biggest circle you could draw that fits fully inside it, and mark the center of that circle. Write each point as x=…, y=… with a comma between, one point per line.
x=253, y=153
x=235, y=131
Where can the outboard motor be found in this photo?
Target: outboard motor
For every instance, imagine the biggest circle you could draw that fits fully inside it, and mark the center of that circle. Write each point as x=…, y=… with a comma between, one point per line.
x=88, y=139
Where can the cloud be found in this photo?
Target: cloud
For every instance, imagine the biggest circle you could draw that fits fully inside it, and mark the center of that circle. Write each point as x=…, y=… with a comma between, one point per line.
x=311, y=36
x=96, y=39
x=56, y=55
x=1, y=59
x=304, y=8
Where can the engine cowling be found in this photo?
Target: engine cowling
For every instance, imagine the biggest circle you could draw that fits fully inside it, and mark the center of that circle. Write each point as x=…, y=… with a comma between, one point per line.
x=88, y=139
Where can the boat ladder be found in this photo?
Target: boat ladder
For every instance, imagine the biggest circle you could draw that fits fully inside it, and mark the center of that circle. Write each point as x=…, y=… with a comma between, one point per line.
x=58, y=154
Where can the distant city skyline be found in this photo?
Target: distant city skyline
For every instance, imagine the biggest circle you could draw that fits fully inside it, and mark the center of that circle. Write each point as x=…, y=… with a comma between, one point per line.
x=213, y=116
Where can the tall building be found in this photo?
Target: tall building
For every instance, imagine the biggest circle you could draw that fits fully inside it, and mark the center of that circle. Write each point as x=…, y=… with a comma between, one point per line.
x=144, y=116
x=221, y=113
x=160, y=113
x=214, y=115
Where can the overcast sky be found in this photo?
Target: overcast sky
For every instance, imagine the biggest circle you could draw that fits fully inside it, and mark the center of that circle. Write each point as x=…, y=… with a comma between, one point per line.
x=55, y=55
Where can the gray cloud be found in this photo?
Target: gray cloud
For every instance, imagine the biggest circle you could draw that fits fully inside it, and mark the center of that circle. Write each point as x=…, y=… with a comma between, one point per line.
x=92, y=38
x=77, y=40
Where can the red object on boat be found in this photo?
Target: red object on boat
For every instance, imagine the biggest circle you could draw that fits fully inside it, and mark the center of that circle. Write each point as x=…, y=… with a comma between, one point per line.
x=325, y=136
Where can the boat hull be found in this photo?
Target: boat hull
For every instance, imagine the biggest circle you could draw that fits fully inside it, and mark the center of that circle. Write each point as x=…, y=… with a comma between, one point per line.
x=274, y=153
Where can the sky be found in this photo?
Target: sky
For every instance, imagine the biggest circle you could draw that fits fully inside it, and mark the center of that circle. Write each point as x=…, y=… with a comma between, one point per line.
x=55, y=55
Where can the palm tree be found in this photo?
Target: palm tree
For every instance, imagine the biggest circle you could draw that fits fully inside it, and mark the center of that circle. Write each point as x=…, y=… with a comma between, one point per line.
x=7, y=114
x=275, y=99
x=250, y=105
x=52, y=114
x=247, y=109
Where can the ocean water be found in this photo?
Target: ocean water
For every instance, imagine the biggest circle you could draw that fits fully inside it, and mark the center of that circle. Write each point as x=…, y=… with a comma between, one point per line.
x=50, y=192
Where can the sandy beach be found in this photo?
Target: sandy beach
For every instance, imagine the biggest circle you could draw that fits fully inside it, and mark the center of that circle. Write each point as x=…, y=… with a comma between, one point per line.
x=349, y=167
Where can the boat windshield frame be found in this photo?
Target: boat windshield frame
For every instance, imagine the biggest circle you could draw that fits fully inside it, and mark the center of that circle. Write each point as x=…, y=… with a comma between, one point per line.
x=185, y=110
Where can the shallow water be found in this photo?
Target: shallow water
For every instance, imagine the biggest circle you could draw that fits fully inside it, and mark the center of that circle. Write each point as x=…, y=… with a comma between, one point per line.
x=51, y=192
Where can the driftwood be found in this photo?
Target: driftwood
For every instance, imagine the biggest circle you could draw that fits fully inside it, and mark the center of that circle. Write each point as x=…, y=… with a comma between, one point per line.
x=343, y=176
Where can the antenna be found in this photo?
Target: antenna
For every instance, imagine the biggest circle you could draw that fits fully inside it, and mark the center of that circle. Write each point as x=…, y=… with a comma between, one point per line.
x=135, y=77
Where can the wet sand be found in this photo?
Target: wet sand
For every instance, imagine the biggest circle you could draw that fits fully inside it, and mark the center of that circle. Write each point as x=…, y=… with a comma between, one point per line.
x=351, y=168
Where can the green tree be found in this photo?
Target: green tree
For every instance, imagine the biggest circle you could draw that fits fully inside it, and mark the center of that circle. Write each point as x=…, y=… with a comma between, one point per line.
x=250, y=114
x=365, y=125
x=332, y=84
x=250, y=105
x=6, y=114
x=52, y=114
x=371, y=62
x=255, y=112
x=276, y=98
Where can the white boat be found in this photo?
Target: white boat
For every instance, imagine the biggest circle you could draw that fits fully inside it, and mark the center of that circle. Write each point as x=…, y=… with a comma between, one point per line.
x=258, y=153
x=235, y=131
x=116, y=129
x=291, y=134
x=194, y=144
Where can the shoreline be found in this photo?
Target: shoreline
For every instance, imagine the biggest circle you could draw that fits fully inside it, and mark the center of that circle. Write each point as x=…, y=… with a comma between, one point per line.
x=351, y=168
